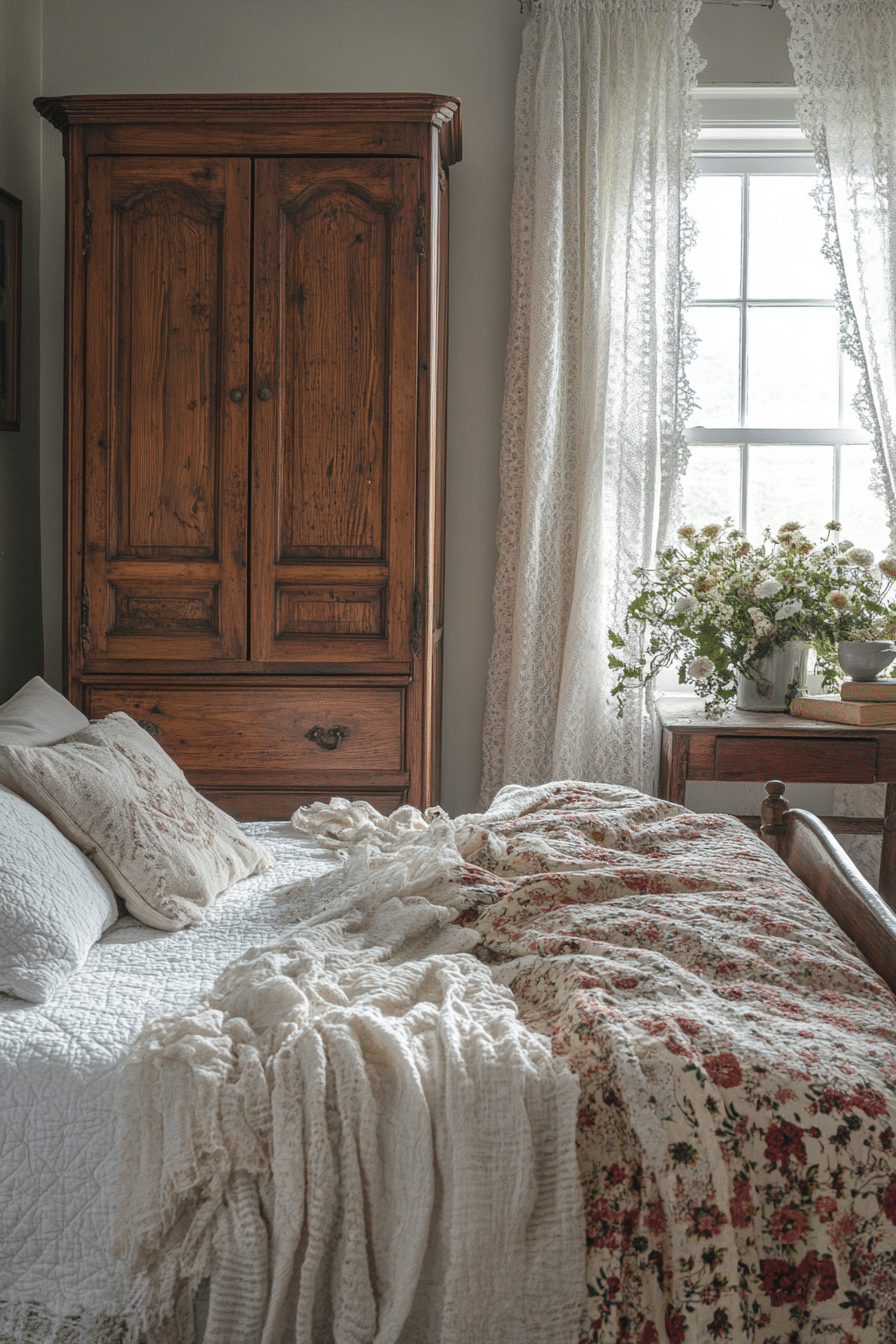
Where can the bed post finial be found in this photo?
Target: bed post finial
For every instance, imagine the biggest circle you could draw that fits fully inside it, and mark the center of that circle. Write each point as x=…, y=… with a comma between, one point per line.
x=771, y=816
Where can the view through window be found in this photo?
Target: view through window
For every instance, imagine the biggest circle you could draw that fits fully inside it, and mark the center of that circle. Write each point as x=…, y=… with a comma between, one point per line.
x=774, y=436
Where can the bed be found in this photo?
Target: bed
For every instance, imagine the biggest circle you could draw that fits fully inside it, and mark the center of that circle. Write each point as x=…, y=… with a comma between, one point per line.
x=693, y=1136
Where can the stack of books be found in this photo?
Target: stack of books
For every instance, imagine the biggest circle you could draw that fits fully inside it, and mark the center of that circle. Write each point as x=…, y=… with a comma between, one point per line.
x=858, y=702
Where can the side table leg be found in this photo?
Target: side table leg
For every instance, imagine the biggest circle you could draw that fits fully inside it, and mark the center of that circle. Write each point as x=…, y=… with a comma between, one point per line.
x=674, y=752
x=887, y=879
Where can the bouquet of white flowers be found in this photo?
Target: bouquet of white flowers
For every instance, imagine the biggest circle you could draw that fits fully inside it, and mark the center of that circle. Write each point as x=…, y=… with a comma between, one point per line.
x=716, y=606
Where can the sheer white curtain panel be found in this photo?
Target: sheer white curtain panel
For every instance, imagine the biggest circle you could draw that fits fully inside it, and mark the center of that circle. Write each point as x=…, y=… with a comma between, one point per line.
x=844, y=59
x=592, y=447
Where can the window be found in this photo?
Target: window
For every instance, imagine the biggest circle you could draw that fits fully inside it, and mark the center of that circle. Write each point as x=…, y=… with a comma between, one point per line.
x=774, y=436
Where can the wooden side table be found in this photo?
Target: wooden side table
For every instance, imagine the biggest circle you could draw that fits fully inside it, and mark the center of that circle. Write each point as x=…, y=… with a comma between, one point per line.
x=754, y=747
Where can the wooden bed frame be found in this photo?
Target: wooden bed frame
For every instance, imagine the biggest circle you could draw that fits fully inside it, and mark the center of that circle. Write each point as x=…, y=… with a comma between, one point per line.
x=811, y=852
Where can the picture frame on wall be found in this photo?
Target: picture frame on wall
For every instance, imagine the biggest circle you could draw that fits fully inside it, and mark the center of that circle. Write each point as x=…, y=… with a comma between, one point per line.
x=10, y=307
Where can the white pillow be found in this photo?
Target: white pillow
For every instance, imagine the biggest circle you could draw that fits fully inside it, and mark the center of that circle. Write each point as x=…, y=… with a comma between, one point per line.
x=167, y=851
x=54, y=903
x=37, y=716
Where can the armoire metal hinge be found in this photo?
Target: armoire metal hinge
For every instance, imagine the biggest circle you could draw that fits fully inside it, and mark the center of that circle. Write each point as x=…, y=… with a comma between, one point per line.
x=84, y=630
x=420, y=231
x=88, y=226
x=415, y=628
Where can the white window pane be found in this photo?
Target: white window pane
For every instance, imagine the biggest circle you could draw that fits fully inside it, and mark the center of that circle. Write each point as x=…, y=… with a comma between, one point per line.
x=715, y=261
x=792, y=370
x=785, y=235
x=862, y=514
x=715, y=372
x=711, y=487
x=789, y=483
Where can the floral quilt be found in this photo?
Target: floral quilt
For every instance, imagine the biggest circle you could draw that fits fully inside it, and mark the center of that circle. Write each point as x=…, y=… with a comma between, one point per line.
x=737, y=1067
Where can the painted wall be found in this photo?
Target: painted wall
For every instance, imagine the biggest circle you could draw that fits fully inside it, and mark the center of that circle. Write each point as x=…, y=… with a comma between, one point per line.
x=21, y=630
x=467, y=48
x=743, y=44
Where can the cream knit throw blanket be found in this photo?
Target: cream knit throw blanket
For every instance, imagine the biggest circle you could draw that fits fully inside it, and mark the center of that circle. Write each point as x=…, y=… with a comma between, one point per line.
x=354, y=1138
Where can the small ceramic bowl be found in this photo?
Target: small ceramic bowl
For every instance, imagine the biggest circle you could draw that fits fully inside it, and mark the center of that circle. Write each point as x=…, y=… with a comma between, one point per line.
x=865, y=659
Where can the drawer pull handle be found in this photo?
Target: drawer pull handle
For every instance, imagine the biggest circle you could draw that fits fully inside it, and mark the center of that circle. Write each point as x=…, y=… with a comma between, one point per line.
x=327, y=738
x=152, y=728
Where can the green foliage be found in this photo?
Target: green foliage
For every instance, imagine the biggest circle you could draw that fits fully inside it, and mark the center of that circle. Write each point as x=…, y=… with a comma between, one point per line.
x=715, y=606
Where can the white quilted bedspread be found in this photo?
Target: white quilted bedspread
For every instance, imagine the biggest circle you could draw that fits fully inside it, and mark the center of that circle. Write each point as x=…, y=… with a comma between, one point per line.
x=60, y=1074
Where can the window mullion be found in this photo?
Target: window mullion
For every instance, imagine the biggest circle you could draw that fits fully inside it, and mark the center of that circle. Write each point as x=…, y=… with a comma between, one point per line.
x=840, y=415
x=836, y=500
x=742, y=400
x=815, y=434
x=744, y=274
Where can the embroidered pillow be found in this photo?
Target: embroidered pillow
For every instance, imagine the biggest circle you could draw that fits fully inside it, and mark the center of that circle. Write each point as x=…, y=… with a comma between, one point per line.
x=54, y=904
x=38, y=716
x=167, y=851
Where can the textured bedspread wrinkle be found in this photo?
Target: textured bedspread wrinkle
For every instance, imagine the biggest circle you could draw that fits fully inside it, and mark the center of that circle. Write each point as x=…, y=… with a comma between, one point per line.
x=61, y=1068
x=705, y=1064
x=354, y=1138
x=737, y=1062
x=736, y=1058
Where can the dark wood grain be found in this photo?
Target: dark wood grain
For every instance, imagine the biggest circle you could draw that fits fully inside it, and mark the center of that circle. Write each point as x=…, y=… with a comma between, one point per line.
x=333, y=300
x=262, y=804
x=324, y=608
x=814, y=760
x=165, y=452
x=365, y=114
x=335, y=451
x=674, y=772
x=219, y=247
x=265, y=732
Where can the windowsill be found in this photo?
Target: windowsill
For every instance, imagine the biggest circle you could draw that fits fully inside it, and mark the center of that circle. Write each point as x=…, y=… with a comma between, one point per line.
x=667, y=685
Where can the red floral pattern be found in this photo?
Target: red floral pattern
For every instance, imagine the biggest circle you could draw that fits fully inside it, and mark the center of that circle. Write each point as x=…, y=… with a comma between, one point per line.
x=737, y=1064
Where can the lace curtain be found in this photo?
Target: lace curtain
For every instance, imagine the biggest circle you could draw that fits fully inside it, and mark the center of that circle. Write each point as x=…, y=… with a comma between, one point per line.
x=591, y=441
x=844, y=58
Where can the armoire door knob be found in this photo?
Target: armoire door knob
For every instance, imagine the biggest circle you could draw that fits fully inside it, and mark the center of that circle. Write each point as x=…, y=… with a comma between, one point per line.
x=264, y=394
x=236, y=394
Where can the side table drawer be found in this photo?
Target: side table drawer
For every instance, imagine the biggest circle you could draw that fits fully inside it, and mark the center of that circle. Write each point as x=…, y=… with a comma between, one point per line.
x=798, y=760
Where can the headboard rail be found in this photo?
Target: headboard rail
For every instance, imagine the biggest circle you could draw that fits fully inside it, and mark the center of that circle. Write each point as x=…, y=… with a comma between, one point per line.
x=813, y=854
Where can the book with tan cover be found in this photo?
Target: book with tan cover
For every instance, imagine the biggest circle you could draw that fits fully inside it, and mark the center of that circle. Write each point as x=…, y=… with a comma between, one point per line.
x=869, y=690
x=832, y=709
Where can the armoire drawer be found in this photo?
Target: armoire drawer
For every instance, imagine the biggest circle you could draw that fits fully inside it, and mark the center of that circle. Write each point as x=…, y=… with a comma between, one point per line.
x=274, y=734
x=275, y=805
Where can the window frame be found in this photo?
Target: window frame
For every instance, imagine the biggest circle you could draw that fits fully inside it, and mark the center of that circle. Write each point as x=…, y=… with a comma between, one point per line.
x=752, y=132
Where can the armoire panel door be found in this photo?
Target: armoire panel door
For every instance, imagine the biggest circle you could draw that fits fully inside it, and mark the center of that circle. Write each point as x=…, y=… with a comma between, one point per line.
x=334, y=409
x=167, y=408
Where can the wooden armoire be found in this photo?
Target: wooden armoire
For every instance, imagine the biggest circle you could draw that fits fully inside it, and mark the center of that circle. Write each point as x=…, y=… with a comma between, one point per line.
x=255, y=427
